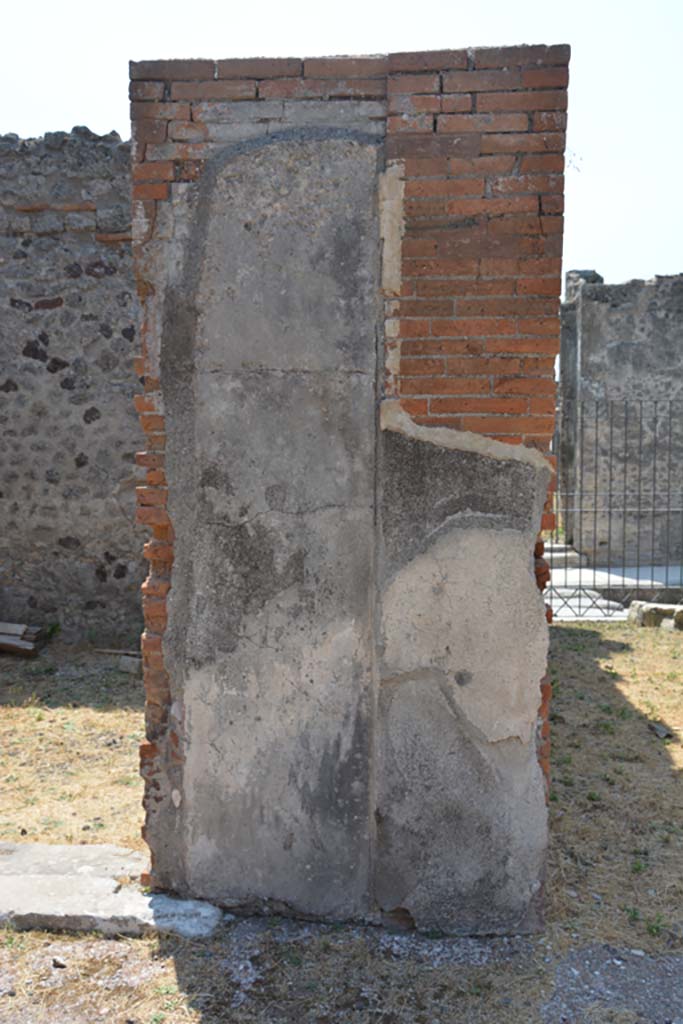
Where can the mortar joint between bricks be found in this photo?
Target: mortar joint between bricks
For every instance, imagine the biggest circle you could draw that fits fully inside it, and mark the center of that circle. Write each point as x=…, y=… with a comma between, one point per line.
x=215, y=71
x=470, y=59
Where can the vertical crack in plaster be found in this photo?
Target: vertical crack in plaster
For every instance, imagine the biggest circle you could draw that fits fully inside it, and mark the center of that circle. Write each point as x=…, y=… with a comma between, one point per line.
x=387, y=357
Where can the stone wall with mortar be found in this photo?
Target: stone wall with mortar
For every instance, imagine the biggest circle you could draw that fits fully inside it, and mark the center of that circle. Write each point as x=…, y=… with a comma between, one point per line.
x=621, y=390
x=622, y=341
x=349, y=275
x=70, y=551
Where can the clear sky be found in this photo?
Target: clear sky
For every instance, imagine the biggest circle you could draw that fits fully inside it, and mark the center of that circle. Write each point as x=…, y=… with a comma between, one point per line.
x=65, y=64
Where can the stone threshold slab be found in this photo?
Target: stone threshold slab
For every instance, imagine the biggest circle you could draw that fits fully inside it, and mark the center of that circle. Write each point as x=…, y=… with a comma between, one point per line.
x=92, y=889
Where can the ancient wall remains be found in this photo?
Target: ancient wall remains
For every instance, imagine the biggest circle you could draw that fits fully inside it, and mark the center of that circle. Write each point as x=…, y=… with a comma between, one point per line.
x=349, y=271
x=621, y=392
x=69, y=547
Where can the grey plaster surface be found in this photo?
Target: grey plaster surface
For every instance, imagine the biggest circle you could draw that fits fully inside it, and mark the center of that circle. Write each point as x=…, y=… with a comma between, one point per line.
x=271, y=463
x=355, y=639
x=91, y=888
x=461, y=817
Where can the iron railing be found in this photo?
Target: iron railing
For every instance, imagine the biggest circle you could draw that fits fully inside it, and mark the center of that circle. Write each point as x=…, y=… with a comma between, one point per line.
x=618, y=506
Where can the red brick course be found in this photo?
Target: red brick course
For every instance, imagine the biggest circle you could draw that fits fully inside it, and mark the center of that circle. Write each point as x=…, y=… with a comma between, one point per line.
x=499, y=206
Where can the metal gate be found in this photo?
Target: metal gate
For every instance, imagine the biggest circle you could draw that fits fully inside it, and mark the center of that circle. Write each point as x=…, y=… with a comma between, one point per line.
x=618, y=507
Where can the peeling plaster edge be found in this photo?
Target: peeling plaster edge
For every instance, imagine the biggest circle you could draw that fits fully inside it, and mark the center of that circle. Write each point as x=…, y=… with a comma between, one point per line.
x=393, y=417
x=391, y=225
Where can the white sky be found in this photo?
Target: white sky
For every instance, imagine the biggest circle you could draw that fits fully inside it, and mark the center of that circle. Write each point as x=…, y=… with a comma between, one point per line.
x=65, y=64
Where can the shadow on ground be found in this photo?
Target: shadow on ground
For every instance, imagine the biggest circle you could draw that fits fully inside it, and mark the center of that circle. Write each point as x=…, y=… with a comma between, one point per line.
x=612, y=947
x=611, y=953
x=68, y=676
x=616, y=799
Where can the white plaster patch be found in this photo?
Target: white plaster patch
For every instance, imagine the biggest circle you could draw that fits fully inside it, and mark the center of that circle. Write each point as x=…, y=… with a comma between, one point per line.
x=393, y=359
x=468, y=612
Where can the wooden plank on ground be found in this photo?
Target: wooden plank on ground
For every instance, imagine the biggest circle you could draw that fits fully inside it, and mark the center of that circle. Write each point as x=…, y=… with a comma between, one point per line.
x=123, y=654
x=12, y=628
x=13, y=645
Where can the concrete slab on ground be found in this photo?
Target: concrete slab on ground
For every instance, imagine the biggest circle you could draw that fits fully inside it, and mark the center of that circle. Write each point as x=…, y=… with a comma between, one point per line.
x=571, y=603
x=92, y=889
x=563, y=556
x=649, y=577
x=589, y=593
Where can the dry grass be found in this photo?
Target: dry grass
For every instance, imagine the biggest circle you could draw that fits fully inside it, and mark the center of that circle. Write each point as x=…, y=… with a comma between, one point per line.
x=617, y=799
x=341, y=976
x=70, y=728
x=614, y=872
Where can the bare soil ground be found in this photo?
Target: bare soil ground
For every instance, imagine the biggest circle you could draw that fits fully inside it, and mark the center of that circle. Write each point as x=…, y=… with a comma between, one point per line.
x=612, y=951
